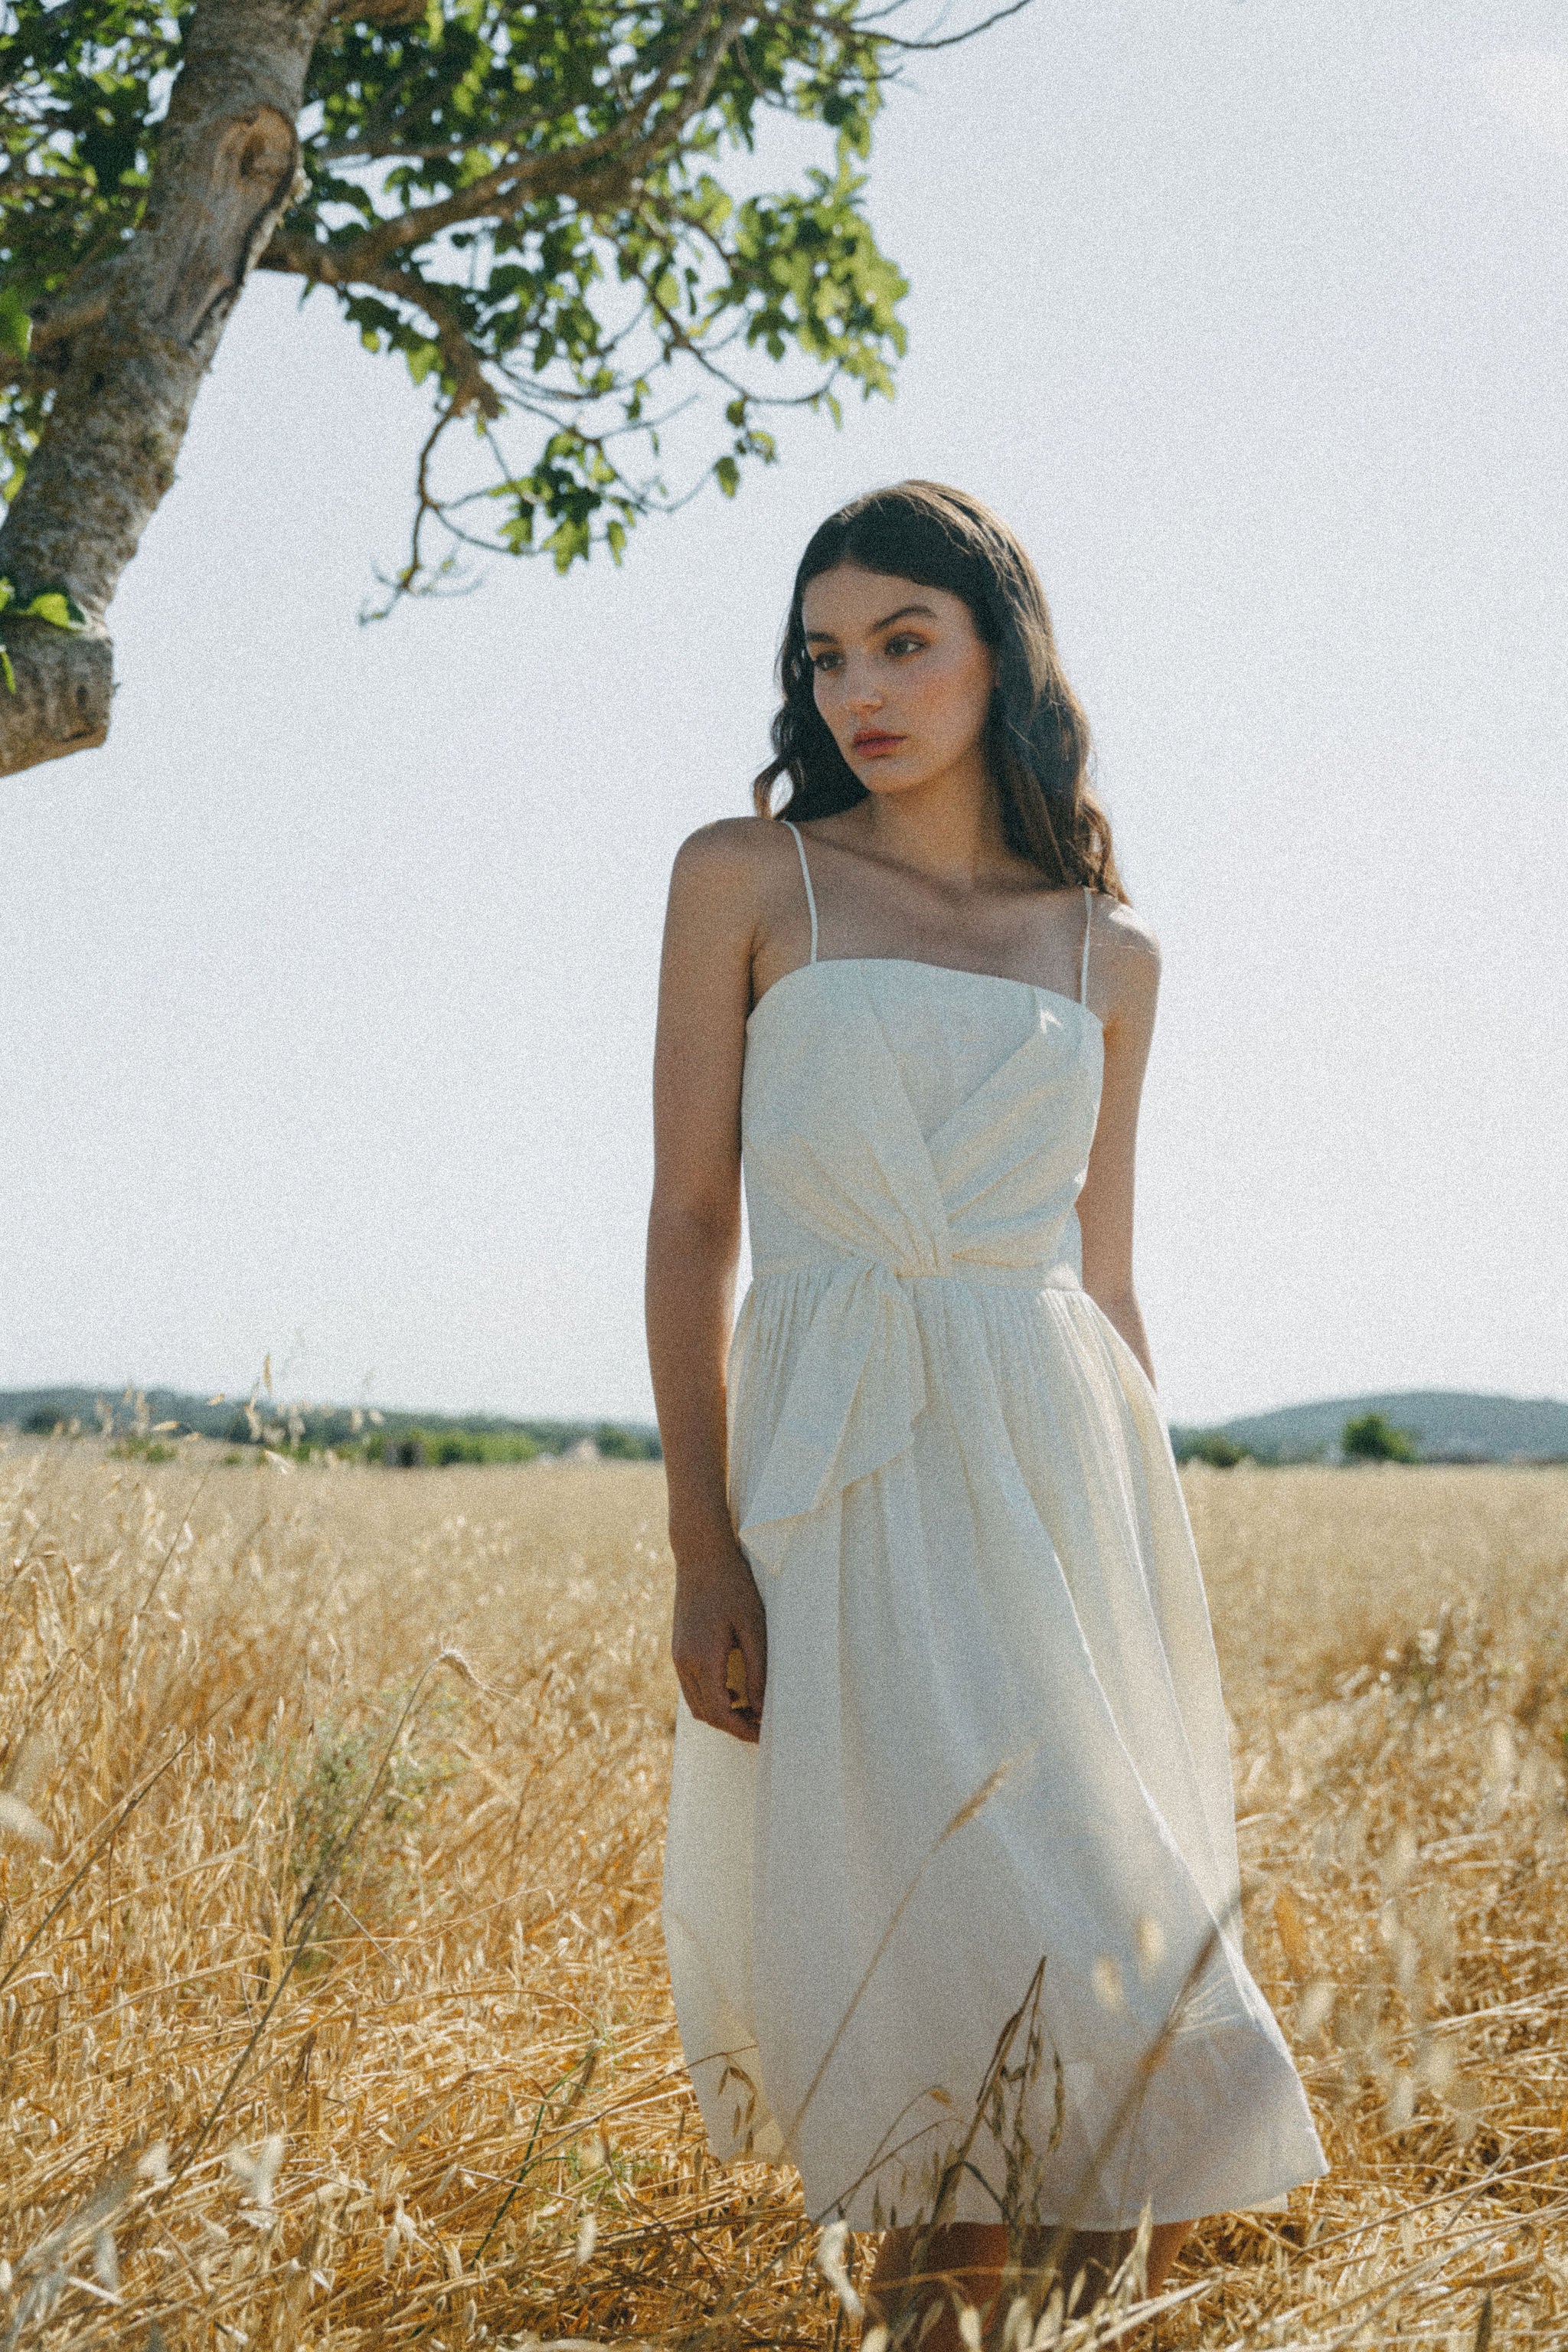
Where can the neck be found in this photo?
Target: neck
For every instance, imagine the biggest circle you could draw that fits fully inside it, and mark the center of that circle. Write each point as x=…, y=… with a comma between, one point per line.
x=950, y=828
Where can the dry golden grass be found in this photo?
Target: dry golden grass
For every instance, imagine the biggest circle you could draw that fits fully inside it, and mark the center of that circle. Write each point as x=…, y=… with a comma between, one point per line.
x=333, y=2009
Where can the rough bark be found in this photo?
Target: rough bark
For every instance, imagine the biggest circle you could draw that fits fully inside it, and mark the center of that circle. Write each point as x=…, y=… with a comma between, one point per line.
x=128, y=360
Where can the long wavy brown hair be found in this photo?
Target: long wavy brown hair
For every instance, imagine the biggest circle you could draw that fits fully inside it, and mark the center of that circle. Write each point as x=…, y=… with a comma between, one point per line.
x=1037, y=737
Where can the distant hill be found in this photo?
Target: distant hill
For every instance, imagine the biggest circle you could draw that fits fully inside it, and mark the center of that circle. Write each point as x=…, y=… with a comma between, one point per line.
x=1448, y=1425
x=40, y=1409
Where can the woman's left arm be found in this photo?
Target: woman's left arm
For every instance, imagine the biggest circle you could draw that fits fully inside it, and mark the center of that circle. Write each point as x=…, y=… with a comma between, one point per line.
x=1127, y=982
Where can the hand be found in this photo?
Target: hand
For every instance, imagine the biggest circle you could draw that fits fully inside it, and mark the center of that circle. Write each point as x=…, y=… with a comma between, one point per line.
x=720, y=1643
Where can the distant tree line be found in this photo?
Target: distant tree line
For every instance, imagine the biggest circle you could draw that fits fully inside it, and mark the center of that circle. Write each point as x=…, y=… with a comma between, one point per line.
x=420, y=1448
x=152, y=1422
x=1366, y=1437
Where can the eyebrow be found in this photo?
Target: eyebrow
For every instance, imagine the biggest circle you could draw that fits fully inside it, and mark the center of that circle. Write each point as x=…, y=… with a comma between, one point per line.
x=825, y=636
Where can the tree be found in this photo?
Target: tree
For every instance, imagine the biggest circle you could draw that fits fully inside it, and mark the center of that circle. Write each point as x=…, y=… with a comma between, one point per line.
x=1213, y=1446
x=522, y=198
x=1373, y=1438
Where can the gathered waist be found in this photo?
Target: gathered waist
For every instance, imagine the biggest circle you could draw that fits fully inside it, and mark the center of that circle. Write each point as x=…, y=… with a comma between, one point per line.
x=849, y=1333
x=1061, y=1275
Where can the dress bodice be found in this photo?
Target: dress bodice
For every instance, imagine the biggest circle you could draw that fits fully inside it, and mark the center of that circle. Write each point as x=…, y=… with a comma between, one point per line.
x=901, y=1124
x=936, y=1121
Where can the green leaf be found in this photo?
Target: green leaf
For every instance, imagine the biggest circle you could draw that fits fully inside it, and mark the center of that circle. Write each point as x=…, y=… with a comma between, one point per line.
x=728, y=476
x=16, y=327
x=56, y=606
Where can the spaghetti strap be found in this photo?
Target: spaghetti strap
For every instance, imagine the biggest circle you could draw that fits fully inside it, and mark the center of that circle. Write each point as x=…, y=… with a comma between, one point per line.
x=1088, y=926
x=805, y=877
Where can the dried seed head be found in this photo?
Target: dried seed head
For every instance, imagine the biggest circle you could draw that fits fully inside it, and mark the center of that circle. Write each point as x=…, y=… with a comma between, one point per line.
x=1400, y=2103
x=1314, y=2009
x=1406, y=1954
x=1435, y=1929
x=1434, y=2065
x=1465, y=2103
x=1292, y=1922
x=1399, y=1862
x=19, y=1820
x=30, y=1763
x=257, y=2170
x=1017, y=2331
x=832, y=2249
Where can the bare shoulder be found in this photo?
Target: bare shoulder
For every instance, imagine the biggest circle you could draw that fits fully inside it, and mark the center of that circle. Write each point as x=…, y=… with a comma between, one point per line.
x=731, y=871
x=734, y=851
x=728, y=849
x=1126, y=962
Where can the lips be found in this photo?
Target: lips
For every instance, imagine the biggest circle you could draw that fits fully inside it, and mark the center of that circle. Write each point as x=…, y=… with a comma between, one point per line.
x=872, y=745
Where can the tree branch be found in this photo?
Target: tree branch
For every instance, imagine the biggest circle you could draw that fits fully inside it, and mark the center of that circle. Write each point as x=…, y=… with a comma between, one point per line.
x=868, y=24
x=78, y=305
x=127, y=374
x=607, y=163
x=951, y=40
x=525, y=179
x=304, y=256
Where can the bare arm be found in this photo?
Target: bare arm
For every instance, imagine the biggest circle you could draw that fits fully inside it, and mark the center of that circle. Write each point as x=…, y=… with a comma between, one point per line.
x=1129, y=970
x=694, y=1239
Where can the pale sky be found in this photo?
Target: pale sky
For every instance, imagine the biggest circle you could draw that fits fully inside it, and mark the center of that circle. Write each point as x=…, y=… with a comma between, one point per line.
x=330, y=982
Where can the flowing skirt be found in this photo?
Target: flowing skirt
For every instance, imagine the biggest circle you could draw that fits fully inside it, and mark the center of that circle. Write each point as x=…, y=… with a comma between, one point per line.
x=992, y=1785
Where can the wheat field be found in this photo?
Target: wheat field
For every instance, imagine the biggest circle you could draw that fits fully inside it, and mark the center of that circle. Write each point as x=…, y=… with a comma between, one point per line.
x=332, y=2010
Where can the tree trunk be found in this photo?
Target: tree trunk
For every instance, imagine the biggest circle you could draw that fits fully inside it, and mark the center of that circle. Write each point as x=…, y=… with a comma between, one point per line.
x=128, y=364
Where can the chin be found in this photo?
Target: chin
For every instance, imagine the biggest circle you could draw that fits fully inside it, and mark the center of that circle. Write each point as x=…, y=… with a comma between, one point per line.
x=883, y=777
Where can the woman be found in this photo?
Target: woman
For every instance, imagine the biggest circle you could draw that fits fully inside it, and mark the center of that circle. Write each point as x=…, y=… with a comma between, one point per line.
x=950, y=1750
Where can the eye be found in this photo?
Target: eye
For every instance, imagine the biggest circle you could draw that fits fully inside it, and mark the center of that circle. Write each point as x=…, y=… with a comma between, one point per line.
x=825, y=661
x=905, y=642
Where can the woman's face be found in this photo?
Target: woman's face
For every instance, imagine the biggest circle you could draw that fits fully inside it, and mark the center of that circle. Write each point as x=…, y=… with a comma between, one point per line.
x=903, y=678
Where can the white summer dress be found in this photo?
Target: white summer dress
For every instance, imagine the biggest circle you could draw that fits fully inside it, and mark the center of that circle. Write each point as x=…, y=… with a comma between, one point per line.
x=953, y=1484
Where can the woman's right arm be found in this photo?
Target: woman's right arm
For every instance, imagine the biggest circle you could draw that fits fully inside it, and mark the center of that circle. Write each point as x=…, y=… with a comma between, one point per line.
x=693, y=1246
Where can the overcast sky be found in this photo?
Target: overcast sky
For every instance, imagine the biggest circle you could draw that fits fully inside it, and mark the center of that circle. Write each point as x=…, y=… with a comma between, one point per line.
x=330, y=982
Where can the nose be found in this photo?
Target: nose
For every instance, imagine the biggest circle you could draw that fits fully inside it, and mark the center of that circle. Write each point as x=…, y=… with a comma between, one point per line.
x=861, y=692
